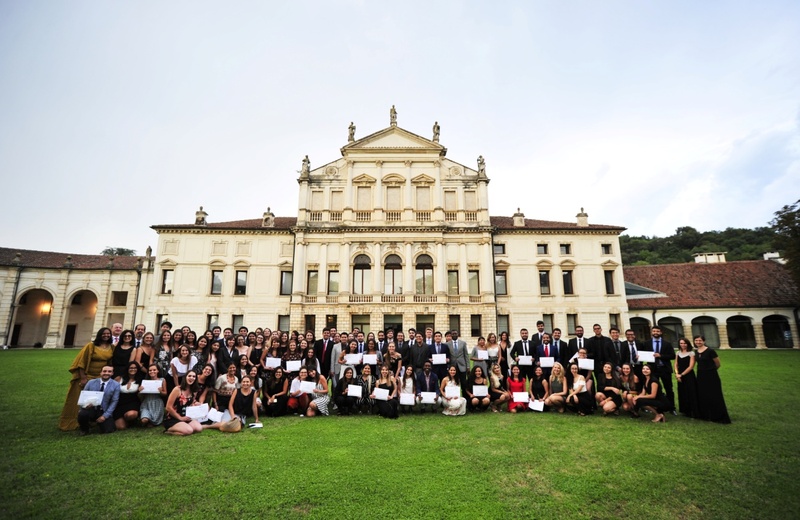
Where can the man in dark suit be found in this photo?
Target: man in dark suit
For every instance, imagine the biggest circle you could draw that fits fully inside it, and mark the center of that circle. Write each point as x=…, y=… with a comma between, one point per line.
x=559, y=344
x=617, y=350
x=665, y=354
x=546, y=349
x=439, y=348
x=573, y=346
x=600, y=349
x=537, y=338
x=428, y=382
x=630, y=352
x=103, y=414
x=382, y=343
x=323, y=348
x=523, y=347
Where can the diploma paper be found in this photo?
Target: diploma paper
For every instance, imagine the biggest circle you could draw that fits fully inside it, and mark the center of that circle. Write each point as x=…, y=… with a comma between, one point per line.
x=645, y=356
x=536, y=406
x=88, y=397
x=525, y=360
x=354, y=390
x=151, y=387
x=307, y=387
x=407, y=399
x=439, y=359
x=255, y=425
x=214, y=415
x=452, y=391
x=428, y=397
x=370, y=359
x=546, y=362
x=381, y=394
x=293, y=366
x=198, y=412
x=586, y=364
x=272, y=362
x=352, y=359
x=480, y=390
x=520, y=397
x=482, y=354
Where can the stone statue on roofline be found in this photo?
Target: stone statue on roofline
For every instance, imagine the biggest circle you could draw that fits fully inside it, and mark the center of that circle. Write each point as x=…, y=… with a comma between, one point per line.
x=200, y=217
x=351, y=132
x=481, y=166
x=436, y=131
x=393, y=116
x=306, y=168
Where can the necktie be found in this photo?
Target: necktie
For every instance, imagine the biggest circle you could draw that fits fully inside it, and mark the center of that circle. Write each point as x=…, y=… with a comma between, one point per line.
x=658, y=346
x=102, y=386
x=138, y=343
x=616, y=346
x=546, y=351
x=525, y=347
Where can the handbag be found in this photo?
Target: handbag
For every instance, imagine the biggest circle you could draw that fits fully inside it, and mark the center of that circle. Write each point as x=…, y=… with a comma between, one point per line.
x=232, y=426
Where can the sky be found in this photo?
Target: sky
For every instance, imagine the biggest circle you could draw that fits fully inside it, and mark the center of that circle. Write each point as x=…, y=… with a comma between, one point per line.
x=115, y=116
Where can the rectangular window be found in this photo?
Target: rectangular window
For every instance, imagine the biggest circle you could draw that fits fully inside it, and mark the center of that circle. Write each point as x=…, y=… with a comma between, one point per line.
x=286, y=284
x=502, y=323
x=241, y=283
x=568, y=288
x=212, y=320
x=548, y=322
x=475, y=325
x=337, y=201
x=572, y=322
x=541, y=249
x=119, y=298
x=500, y=282
x=362, y=281
x=393, y=280
x=167, y=279
x=316, y=200
x=450, y=203
x=424, y=280
x=283, y=322
x=423, y=198
x=312, y=283
x=237, y=321
x=499, y=249
x=613, y=320
x=311, y=323
x=566, y=249
x=333, y=283
x=605, y=249
x=544, y=282
x=330, y=321
x=452, y=283
x=216, y=282
x=470, y=201
x=364, y=198
x=609, y=277
x=473, y=278
x=393, y=198
x=454, y=321
x=361, y=322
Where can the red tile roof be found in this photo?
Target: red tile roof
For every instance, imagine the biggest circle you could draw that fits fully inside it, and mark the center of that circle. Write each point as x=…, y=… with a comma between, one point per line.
x=53, y=260
x=754, y=283
x=508, y=223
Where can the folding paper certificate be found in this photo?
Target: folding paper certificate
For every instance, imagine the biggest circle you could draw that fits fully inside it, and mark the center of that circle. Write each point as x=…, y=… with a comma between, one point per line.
x=370, y=359
x=536, y=406
x=407, y=399
x=151, y=387
x=645, y=356
x=293, y=366
x=546, y=362
x=88, y=397
x=520, y=397
x=452, y=391
x=307, y=387
x=480, y=390
x=255, y=425
x=214, y=415
x=381, y=394
x=428, y=397
x=439, y=359
x=483, y=354
x=198, y=412
x=352, y=359
x=586, y=364
x=272, y=362
x=525, y=360
x=354, y=390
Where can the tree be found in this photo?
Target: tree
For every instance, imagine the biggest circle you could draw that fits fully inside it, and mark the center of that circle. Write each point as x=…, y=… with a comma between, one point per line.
x=118, y=251
x=786, y=225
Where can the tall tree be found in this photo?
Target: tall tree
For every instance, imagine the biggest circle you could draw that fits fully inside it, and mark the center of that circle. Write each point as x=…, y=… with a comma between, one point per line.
x=118, y=251
x=787, y=237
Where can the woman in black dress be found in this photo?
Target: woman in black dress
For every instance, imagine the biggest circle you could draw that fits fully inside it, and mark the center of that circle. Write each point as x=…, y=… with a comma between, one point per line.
x=386, y=381
x=540, y=387
x=609, y=391
x=651, y=397
x=579, y=398
x=687, y=383
x=346, y=404
x=124, y=353
x=243, y=401
x=505, y=350
x=275, y=394
x=477, y=403
x=127, y=411
x=145, y=353
x=710, y=401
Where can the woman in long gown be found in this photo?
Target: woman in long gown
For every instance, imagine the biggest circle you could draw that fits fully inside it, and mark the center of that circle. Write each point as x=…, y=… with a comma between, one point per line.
x=452, y=405
x=687, y=383
x=710, y=401
x=86, y=365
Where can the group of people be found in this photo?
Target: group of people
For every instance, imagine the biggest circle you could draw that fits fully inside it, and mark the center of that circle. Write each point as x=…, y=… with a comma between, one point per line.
x=150, y=380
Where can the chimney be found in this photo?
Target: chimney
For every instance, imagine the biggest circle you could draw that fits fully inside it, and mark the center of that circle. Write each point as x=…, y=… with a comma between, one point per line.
x=710, y=258
x=519, y=219
x=583, y=219
x=268, y=219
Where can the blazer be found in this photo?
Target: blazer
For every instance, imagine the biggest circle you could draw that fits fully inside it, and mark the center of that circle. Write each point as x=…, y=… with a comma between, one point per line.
x=601, y=350
x=459, y=357
x=323, y=354
x=571, y=350
x=443, y=347
x=518, y=349
x=110, y=395
x=561, y=345
x=554, y=351
x=667, y=354
x=628, y=354
x=422, y=385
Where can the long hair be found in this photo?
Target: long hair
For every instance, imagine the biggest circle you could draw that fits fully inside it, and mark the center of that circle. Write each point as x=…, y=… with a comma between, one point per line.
x=126, y=377
x=186, y=386
x=98, y=339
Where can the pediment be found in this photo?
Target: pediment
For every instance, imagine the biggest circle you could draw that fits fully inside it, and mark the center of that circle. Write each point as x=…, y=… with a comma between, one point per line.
x=364, y=179
x=393, y=178
x=502, y=264
x=394, y=138
x=423, y=179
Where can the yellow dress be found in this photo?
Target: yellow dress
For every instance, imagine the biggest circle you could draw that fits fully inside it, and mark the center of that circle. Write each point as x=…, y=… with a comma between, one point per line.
x=91, y=359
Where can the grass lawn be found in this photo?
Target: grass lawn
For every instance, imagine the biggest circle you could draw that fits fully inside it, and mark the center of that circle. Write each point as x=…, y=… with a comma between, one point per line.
x=477, y=466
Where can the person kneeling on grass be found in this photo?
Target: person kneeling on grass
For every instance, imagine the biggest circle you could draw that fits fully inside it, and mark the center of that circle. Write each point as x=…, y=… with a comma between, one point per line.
x=103, y=413
x=321, y=399
x=182, y=397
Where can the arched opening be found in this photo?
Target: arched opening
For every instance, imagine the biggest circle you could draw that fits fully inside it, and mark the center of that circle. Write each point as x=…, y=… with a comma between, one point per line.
x=641, y=327
x=671, y=329
x=706, y=326
x=423, y=275
x=392, y=275
x=777, y=332
x=362, y=275
x=80, y=319
x=31, y=319
x=740, y=332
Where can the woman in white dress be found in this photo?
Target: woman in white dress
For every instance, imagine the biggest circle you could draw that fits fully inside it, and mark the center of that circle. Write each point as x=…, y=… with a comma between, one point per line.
x=452, y=405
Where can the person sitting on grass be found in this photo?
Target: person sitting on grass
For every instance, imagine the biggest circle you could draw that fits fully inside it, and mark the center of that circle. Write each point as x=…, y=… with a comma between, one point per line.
x=127, y=411
x=182, y=397
x=151, y=408
x=558, y=388
x=103, y=413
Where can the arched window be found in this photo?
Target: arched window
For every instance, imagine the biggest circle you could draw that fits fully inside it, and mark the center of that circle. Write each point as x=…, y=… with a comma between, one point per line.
x=671, y=329
x=392, y=275
x=740, y=332
x=423, y=275
x=707, y=327
x=777, y=332
x=362, y=275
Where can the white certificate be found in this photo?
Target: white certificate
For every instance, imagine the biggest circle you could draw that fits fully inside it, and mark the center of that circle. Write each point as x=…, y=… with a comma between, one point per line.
x=573, y=358
x=370, y=359
x=520, y=397
x=354, y=390
x=536, y=406
x=439, y=359
x=272, y=362
x=293, y=366
x=586, y=364
x=525, y=360
x=428, y=397
x=546, y=362
x=198, y=412
x=407, y=399
x=88, y=397
x=381, y=394
x=214, y=415
x=352, y=359
x=452, y=391
x=480, y=390
x=482, y=354
x=645, y=356
x=307, y=387
x=151, y=387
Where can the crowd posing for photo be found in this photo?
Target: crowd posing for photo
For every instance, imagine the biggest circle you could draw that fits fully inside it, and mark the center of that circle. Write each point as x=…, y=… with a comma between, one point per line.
x=187, y=382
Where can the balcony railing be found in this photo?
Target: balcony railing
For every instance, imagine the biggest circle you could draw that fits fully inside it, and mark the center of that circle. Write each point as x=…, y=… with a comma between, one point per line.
x=394, y=216
x=424, y=298
x=471, y=216
x=315, y=216
x=360, y=298
x=363, y=216
x=423, y=216
x=332, y=299
x=336, y=216
x=475, y=299
x=309, y=299
x=453, y=299
x=393, y=298
x=450, y=216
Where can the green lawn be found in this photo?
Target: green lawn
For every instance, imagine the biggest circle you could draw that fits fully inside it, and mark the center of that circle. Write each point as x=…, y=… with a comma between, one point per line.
x=476, y=466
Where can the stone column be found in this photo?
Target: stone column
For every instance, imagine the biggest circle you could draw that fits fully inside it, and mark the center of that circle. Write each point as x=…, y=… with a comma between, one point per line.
x=408, y=272
x=344, y=270
x=347, y=214
x=463, y=281
x=377, y=197
x=299, y=270
x=409, y=202
x=758, y=333
x=441, y=269
x=322, y=273
x=377, y=287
